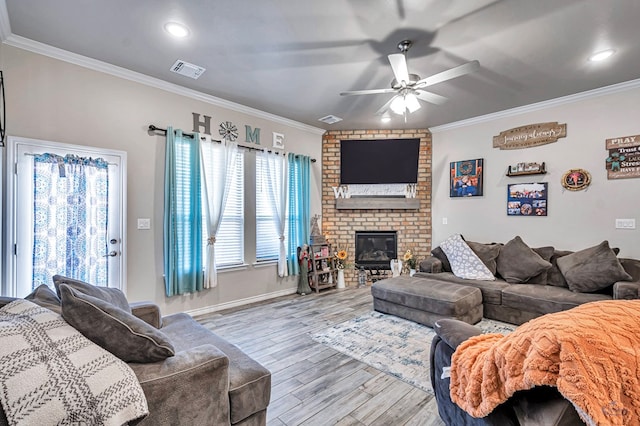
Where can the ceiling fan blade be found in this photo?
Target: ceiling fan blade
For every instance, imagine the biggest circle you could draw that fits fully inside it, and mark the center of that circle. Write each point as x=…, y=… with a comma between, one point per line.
x=399, y=65
x=367, y=92
x=432, y=98
x=384, y=108
x=458, y=71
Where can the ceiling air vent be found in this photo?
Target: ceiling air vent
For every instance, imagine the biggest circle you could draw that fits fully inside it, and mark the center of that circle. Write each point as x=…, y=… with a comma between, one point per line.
x=188, y=70
x=330, y=119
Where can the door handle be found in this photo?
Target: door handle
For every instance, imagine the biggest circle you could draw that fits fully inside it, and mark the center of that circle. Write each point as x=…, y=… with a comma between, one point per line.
x=112, y=253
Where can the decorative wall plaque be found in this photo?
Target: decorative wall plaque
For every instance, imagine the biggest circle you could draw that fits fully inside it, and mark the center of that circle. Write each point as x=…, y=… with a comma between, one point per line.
x=576, y=179
x=228, y=131
x=624, y=157
x=530, y=135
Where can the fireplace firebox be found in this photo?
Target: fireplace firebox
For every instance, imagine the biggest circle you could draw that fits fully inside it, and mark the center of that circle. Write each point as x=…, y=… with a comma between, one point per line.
x=375, y=249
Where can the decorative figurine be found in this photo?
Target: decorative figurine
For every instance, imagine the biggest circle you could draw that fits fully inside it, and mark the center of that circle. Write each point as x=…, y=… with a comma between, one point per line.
x=303, y=279
x=316, y=235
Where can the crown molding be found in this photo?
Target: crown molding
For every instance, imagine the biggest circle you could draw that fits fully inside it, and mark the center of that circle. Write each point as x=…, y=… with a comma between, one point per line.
x=93, y=64
x=606, y=90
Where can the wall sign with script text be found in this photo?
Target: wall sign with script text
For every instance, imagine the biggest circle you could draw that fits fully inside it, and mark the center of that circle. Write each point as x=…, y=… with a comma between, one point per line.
x=624, y=157
x=530, y=135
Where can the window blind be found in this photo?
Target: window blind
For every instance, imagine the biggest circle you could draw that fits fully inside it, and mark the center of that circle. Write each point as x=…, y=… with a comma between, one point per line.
x=267, y=241
x=230, y=238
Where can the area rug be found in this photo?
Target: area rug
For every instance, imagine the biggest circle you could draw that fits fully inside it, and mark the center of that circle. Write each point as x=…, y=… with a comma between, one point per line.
x=393, y=345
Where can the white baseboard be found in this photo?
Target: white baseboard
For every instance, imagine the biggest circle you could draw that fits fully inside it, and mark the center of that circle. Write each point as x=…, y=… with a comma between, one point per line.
x=240, y=302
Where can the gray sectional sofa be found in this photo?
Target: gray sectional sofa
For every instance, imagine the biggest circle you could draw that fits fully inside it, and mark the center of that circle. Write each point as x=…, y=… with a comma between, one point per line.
x=189, y=375
x=528, y=282
x=540, y=280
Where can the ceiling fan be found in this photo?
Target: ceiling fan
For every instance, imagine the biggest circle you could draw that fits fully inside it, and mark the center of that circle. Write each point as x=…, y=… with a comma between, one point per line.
x=410, y=87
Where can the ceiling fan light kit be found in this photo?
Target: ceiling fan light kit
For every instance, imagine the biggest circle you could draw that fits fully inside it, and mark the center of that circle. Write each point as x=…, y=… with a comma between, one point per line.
x=409, y=88
x=412, y=102
x=397, y=105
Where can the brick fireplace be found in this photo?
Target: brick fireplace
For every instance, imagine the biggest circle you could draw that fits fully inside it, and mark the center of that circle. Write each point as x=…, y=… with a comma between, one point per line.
x=413, y=226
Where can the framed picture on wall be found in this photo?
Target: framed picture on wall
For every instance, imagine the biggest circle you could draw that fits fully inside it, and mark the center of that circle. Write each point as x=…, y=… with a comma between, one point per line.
x=527, y=199
x=466, y=178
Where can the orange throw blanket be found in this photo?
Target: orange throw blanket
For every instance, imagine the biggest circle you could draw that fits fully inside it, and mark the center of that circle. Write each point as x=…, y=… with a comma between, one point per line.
x=591, y=353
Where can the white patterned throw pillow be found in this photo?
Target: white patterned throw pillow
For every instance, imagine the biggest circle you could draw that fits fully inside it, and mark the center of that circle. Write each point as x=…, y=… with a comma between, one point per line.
x=464, y=262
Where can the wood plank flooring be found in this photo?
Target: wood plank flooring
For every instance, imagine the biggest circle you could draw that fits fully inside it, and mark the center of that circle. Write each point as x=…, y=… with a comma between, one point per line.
x=313, y=384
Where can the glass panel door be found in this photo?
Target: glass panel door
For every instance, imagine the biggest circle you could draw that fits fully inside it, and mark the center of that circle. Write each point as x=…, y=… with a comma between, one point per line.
x=67, y=215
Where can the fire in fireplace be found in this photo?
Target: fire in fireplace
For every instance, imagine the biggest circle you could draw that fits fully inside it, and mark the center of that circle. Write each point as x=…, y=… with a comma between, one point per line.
x=375, y=249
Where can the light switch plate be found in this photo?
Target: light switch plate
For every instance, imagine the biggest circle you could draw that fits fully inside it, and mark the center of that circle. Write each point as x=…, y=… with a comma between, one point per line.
x=625, y=224
x=144, y=223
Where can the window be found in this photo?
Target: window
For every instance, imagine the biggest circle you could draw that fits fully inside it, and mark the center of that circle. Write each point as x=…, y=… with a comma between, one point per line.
x=267, y=240
x=230, y=238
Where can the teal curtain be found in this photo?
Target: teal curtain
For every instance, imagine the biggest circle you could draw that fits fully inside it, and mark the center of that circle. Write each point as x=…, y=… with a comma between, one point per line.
x=299, y=208
x=183, y=269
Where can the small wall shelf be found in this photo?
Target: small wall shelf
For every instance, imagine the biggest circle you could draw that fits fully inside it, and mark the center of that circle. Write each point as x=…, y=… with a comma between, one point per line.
x=541, y=171
x=376, y=203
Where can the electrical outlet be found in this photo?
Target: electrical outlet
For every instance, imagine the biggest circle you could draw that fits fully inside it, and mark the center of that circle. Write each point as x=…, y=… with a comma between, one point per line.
x=144, y=223
x=445, y=221
x=625, y=224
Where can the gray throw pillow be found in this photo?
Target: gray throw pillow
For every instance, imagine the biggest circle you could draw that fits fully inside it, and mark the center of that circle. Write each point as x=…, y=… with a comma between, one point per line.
x=112, y=295
x=554, y=276
x=488, y=253
x=517, y=262
x=45, y=297
x=439, y=254
x=546, y=253
x=592, y=269
x=127, y=337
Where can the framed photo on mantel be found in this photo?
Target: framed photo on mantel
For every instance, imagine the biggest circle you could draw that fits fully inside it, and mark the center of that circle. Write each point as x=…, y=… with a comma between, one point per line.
x=466, y=178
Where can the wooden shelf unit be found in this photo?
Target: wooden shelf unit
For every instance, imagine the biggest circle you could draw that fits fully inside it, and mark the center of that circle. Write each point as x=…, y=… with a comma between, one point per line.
x=322, y=271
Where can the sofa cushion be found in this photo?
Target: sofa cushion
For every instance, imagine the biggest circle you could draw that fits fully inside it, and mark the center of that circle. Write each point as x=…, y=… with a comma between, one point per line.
x=631, y=267
x=45, y=297
x=517, y=262
x=464, y=262
x=112, y=295
x=249, y=381
x=592, y=269
x=488, y=253
x=127, y=337
x=491, y=290
x=442, y=257
x=545, y=299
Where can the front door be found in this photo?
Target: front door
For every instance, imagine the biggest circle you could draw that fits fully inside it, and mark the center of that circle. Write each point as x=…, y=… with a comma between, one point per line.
x=66, y=209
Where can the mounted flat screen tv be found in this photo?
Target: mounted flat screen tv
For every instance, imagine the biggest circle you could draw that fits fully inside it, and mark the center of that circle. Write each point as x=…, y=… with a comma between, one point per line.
x=379, y=161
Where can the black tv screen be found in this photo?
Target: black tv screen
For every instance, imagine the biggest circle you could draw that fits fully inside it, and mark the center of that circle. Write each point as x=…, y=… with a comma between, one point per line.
x=379, y=161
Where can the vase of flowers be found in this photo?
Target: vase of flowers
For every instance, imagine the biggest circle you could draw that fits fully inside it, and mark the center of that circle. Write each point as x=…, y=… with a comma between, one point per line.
x=341, y=264
x=410, y=261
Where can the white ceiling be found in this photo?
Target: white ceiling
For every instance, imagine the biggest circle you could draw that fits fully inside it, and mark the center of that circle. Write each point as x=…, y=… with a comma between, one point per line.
x=292, y=58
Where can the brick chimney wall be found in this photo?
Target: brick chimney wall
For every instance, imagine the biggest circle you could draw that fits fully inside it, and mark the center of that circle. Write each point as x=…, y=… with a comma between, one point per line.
x=413, y=226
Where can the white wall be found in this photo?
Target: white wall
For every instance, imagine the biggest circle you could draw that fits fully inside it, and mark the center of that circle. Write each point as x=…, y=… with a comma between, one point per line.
x=54, y=100
x=575, y=220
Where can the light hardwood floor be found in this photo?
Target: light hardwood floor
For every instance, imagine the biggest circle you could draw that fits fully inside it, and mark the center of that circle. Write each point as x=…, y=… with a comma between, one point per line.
x=313, y=384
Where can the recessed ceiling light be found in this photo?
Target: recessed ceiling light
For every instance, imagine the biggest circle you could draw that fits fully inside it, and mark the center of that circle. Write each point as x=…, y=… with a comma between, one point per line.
x=602, y=55
x=176, y=30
